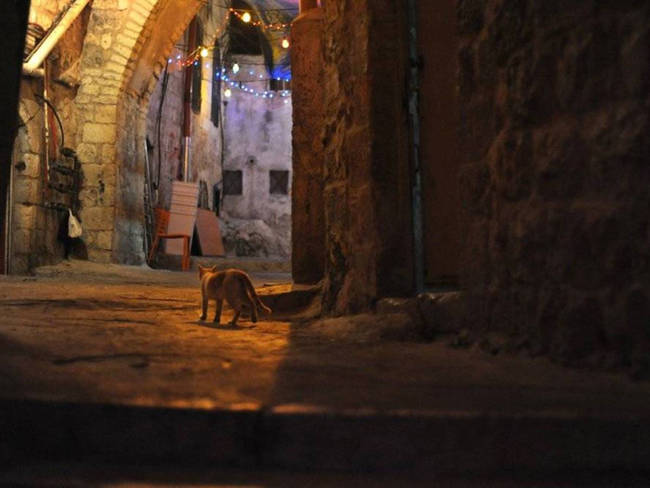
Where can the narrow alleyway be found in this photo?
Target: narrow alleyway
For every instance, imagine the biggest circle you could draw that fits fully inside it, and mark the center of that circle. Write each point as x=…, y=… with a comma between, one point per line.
x=353, y=156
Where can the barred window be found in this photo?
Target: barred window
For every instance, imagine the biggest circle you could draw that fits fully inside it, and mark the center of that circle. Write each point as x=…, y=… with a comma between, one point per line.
x=279, y=182
x=232, y=182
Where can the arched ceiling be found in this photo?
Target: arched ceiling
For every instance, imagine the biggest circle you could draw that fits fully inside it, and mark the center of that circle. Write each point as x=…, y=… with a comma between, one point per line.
x=274, y=11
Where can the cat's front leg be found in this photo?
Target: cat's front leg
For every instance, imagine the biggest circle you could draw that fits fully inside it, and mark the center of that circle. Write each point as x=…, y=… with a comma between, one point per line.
x=217, y=314
x=204, y=307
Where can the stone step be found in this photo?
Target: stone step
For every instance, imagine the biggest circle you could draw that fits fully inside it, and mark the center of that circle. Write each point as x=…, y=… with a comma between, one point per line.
x=299, y=438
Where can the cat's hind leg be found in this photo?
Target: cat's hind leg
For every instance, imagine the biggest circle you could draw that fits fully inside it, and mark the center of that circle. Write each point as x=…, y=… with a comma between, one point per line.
x=217, y=313
x=233, y=322
x=252, y=306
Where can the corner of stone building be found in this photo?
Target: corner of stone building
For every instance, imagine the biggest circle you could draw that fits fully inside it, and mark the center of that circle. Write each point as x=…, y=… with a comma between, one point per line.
x=551, y=122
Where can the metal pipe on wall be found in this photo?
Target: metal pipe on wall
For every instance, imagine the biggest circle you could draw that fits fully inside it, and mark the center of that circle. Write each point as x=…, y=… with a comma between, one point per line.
x=414, y=115
x=187, y=104
x=32, y=64
x=46, y=126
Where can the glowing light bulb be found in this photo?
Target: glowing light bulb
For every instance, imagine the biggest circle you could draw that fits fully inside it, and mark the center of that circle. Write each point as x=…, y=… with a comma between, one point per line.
x=204, y=52
x=235, y=68
x=285, y=43
x=227, y=93
x=246, y=17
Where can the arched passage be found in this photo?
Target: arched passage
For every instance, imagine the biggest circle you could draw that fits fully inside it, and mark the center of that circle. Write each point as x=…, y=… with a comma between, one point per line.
x=123, y=54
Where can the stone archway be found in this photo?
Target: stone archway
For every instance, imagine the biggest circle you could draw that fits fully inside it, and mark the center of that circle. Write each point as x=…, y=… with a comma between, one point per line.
x=124, y=52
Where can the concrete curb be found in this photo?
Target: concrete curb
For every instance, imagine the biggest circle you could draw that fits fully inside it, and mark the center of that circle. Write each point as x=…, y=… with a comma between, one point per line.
x=303, y=438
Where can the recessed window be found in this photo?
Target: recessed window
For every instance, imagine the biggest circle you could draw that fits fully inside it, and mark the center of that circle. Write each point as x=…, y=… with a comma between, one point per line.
x=279, y=182
x=279, y=85
x=232, y=182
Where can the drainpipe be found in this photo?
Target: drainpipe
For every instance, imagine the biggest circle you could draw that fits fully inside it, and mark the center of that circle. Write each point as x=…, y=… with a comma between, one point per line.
x=46, y=124
x=31, y=66
x=414, y=115
x=187, y=104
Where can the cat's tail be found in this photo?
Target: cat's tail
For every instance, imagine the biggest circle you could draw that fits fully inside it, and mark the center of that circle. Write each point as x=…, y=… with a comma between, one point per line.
x=256, y=298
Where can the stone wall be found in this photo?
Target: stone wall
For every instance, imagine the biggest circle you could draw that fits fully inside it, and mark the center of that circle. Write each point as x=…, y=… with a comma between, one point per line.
x=125, y=50
x=43, y=12
x=35, y=227
x=308, y=216
x=554, y=124
x=252, y=128
x=206, y=135
x=257, y=139
x=367, y=203
x=168, y=151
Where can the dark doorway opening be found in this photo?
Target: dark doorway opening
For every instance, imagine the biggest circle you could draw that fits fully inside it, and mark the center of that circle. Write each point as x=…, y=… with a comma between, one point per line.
x=439, y=154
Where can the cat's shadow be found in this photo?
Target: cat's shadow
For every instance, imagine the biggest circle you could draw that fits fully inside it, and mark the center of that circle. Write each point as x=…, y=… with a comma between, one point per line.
x=212, y=325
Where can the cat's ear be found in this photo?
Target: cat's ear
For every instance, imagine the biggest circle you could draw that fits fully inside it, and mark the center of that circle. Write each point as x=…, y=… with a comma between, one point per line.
x=201, y=271
x=214, y=269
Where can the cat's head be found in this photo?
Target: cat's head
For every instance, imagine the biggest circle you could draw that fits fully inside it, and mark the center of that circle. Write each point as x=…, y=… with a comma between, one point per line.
x=203, y=270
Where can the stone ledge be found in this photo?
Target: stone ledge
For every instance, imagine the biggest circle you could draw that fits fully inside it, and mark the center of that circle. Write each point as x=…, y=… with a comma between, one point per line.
x=300, y=437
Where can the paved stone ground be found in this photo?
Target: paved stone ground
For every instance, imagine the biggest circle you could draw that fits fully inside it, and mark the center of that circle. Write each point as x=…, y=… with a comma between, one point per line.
x=80, y=333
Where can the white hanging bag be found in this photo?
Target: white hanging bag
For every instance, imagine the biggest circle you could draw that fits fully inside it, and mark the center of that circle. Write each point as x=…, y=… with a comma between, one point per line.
x=74, y=227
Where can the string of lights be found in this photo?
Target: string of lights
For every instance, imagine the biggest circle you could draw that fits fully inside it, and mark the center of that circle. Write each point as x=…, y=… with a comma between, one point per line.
x=246, y=17
x=244, y=87
x=181, y=61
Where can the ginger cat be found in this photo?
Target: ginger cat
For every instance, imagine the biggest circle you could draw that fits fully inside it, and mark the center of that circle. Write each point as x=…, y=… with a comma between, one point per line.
x=233, y=285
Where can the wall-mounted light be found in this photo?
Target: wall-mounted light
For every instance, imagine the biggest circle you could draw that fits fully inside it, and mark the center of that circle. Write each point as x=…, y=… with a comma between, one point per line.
x=235, y=68
x=204, y=52
x=285, y=43
x=246, y=17
x=227, y=92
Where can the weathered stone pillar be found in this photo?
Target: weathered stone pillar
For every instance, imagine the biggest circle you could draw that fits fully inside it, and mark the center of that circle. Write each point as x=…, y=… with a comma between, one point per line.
x=308, y=223
x=366, y=172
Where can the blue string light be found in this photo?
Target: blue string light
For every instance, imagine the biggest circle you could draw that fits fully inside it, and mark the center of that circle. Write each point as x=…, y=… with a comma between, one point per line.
x=247, y=89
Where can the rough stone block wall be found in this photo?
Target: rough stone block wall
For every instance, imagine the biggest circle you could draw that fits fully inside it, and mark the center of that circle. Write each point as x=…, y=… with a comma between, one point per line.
x=125, y=49
x=170, y=147
x=367, y=214
x=257, y=139
x=35, y=227
x=43, y=12
x=554, y=130
x=106, y=49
